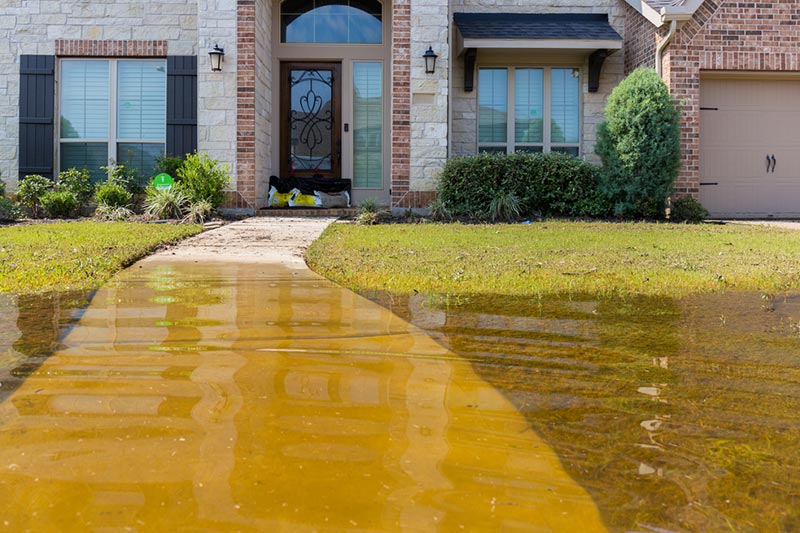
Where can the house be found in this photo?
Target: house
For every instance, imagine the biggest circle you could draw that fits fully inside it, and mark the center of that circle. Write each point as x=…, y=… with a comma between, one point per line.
x=347, y=88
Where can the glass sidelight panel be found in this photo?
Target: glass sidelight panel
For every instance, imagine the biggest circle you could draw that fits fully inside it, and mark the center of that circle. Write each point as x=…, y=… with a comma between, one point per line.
x=529, y=105
x=492, y=105
x=565, y=105
x=311, y=120
x=367, y=125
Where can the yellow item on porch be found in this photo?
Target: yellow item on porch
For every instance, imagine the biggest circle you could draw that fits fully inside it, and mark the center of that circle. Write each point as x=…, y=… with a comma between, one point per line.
x=278, y=199
x=304, y=200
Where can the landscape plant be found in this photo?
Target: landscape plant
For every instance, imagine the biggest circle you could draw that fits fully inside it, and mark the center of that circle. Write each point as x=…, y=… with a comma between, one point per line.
x=165, y=203
x=491, y=186
x=79, y=183
x=59, y=203
x=203, y=178
x=112, y=194
x=687, y=209
x=198, y=212
x=30, y=192
x=639, y=144
x=8, y=211
x=125, y=176
x=169, y=165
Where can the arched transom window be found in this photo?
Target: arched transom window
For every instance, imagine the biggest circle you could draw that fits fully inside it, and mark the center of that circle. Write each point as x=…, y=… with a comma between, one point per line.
x=331, y=21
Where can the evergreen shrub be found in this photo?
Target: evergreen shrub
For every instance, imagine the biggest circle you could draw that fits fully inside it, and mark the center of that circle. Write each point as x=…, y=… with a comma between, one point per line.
x=500, y=186
x=639, y=144
x=59, y=204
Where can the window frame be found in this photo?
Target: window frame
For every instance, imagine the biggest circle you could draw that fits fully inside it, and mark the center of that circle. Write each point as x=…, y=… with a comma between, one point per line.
x=546, y=145
x=112, y=141
x=281, y=34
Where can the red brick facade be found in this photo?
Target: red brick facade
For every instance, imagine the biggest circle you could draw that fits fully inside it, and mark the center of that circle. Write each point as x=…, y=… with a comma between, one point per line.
x=108, y=48
x=245, y=195
x=401, y=101
x=723, y=36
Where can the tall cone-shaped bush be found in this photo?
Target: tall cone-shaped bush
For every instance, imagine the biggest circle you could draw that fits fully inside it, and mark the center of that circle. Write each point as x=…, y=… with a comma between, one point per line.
x=639, y=144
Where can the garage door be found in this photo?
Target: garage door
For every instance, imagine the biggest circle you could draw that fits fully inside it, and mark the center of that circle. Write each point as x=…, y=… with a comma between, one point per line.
x=750, y=147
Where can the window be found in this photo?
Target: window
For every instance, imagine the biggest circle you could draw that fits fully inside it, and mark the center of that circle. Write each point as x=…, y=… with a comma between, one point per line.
x=112, y=110
x=545, y=104
x=367, y=125
x=331, y=21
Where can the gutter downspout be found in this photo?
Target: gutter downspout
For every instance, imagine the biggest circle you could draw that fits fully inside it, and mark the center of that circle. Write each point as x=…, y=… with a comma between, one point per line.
x=673, y=25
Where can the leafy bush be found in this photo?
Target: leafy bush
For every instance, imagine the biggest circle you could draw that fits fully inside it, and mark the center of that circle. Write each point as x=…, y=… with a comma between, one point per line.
x=550, y=184
x=2, y=188
x=127, y=177
x=59, y=204
x=162, y=204
x=8, y=211
x=639, y=144
x=169, y=165
x=112, y=194
x=369, y=205
x=198, y=212
x=79, y=183
x=687, y=209
x=31, y=190
x=203, y=178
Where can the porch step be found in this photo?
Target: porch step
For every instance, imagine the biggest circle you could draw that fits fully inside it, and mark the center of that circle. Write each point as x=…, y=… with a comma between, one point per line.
x=313, y=212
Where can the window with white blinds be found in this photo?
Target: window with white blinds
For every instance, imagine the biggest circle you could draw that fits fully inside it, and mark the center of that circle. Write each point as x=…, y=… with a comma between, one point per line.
x=112, y=110
x=546, y=104
x=367, y=124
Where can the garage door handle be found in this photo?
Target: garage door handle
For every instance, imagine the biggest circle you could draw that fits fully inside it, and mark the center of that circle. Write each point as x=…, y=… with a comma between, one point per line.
x=769, y=163
x=773, y=163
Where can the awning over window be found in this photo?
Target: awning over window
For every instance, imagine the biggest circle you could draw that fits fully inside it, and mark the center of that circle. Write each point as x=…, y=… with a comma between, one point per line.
x=590, y=33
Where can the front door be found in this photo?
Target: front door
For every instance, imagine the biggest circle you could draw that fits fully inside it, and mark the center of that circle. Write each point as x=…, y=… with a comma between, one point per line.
x=311, y=119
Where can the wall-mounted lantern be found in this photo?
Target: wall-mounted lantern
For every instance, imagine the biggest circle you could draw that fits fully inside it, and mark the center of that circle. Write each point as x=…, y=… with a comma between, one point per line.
x=216, y=54
x=430, y=60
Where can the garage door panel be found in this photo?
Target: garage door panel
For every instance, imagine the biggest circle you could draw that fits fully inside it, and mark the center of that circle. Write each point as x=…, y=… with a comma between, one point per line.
x=743, y=122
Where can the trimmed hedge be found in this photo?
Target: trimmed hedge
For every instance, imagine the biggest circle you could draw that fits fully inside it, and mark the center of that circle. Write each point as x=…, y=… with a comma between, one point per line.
x=551, y=184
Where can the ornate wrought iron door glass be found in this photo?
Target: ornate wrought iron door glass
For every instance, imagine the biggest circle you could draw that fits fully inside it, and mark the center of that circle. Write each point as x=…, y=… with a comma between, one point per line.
x=311, y=120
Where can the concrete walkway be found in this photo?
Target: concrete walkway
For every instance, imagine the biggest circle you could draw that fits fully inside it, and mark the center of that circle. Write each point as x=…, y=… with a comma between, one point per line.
x=254, y=240
x=783, y=224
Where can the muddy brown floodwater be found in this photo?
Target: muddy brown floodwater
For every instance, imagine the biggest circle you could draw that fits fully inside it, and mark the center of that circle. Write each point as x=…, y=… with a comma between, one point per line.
x=249, y=396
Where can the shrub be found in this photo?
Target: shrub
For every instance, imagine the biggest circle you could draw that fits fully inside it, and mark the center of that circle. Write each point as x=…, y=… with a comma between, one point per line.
x=169, y=165
x=369, y=205
x=439, y=211
x=2, y=188
x=203, y=178
x=687, y=209
x=59, y=204
x=127, y=177
x=112, y=194
x=198, y=212
x=639, y=144
x=8, y=211
x=79, y=183
x=31, y=190
x=112, y=213
x=550, y=184
x=165, y=203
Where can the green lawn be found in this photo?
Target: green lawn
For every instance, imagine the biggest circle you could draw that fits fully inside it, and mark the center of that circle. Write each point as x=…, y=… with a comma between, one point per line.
x=559, y=257
x=76, y=255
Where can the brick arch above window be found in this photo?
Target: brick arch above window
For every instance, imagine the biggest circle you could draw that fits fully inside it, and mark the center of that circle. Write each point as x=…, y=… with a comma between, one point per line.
x=110, y=48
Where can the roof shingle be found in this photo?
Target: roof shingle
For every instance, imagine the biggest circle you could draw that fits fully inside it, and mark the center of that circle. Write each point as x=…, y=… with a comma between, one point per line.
x=534, y=26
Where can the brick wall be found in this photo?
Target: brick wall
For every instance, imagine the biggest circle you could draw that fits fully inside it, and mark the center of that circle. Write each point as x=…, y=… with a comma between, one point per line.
x=731, y=36
x=401, y=99
x=640, y=40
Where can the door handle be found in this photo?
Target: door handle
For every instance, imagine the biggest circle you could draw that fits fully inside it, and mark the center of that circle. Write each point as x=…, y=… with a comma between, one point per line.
x=768, y=163
x=774, y=161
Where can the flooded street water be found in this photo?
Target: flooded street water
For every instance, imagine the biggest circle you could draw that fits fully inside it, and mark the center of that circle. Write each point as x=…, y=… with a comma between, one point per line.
x=192, y=396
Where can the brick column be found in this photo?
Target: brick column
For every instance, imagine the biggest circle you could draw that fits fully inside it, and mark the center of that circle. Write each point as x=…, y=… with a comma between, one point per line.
x=401, y=99
x=245, y=105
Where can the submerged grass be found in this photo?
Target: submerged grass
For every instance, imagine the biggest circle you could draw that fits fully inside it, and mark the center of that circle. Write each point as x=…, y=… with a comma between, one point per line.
x=559, y=257
x=81, y=255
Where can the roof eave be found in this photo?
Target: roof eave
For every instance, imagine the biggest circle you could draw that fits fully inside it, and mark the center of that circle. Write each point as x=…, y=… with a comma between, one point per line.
x=659, y=17
x=550, y=44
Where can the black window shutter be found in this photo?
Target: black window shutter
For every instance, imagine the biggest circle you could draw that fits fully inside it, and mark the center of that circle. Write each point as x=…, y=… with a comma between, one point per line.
x=181, y=105
x=36, y=116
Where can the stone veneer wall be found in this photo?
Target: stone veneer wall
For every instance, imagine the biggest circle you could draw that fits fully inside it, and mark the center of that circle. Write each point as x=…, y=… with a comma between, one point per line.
x=465, y=104
x=730, y=36
x=34, y=26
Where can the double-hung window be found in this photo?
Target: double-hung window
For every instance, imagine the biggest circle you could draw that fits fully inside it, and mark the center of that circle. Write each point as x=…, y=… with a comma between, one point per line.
x=112, y=110
x=529, y=110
